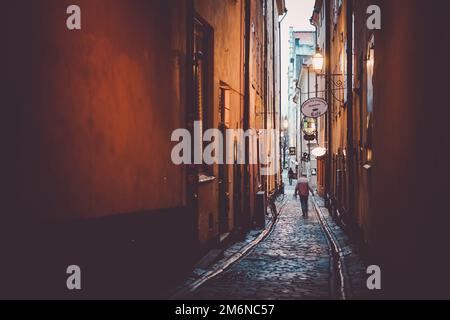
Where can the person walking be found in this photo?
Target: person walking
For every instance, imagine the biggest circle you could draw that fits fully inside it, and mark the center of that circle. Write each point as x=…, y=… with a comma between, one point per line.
x=291, y=176
x=302, y=189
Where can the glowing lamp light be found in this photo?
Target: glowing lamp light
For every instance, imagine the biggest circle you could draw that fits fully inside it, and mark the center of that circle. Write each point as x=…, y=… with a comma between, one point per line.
x=369, y=155
x=318, y=62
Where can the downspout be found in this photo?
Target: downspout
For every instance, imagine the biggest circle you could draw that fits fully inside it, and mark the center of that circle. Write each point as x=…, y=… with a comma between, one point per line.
x=350, y=151
x=329, y=118
x=266, y=71
x=191, y=177
x=274, y=72
x=280, y=87
x=309, y=82
x=246, y=181
x=264, y=179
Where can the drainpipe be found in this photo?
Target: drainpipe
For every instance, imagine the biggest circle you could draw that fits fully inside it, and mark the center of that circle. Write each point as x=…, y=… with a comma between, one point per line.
x=274, y=71
x=191, y=170
x=350, y=151
x=264, y=180
x=280, y=85
x=247, y=57
x=329, y=118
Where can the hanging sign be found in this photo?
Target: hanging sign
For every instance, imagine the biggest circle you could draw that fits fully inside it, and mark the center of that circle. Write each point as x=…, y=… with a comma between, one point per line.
x=319, y=152
x=314, y=108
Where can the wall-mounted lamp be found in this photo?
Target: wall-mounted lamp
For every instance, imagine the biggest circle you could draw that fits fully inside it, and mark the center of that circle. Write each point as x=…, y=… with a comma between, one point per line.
x=318, y=61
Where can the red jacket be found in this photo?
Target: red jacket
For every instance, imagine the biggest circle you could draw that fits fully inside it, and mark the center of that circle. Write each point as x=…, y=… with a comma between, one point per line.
x=302, y=188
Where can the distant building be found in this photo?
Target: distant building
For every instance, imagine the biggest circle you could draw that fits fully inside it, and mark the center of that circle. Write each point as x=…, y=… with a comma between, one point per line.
x=302, y=46
x=308, y=86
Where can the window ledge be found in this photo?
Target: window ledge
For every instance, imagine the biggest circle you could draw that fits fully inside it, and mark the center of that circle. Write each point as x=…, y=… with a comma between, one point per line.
x=205, y=179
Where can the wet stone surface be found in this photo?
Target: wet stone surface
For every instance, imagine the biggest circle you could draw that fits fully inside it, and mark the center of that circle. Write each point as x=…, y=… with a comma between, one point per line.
x=292, y=263
x=354, y=263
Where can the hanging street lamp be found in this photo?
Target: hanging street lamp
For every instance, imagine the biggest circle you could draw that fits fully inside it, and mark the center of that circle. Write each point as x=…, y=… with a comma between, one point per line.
x=318, y=61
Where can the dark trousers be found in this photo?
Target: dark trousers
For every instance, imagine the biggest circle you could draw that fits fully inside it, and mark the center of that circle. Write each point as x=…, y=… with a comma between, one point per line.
x=304, y=202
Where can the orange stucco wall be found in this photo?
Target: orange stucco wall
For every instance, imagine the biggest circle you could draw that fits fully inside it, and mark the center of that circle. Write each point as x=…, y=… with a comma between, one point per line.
x=93, y=110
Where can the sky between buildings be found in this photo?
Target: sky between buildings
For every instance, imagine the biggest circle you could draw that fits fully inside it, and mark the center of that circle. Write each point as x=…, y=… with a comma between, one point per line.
x=299, y=13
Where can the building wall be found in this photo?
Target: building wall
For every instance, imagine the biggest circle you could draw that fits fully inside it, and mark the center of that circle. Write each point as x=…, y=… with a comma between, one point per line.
x=339, y=111
x=88, y=176
x=363, y=139
x=274, y=9
x=409, y=54
x=87, y=123
x=228, y=29
x=271, y=93
x=323, y=93
x=398, y=204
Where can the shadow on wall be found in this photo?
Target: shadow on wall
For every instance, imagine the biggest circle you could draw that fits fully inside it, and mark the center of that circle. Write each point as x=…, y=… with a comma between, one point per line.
x=121, y=257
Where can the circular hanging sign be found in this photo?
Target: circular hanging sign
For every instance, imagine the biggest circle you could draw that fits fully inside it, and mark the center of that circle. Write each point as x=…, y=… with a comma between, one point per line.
x=319, y=152
x=314, y=108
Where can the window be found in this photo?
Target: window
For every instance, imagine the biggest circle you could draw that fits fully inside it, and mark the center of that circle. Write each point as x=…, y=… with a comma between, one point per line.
x=335, y=11
x=203, y=44
x=298, y=60
x=342, y=70
x=370, y=64
x=353, y=53
x=224, y=104
x=322, y=13
x=370, y=67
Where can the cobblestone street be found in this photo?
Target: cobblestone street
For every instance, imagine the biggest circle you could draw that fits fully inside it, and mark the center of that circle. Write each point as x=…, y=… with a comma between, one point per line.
x=292, y=263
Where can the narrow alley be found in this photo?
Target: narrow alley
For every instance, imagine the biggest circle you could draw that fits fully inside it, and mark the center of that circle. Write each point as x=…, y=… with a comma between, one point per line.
x=293, y=263
x=149, y=147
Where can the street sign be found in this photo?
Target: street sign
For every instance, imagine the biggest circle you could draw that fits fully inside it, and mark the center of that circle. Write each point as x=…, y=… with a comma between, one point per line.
x=306, y=157
x=314, y=108
x=292, y=151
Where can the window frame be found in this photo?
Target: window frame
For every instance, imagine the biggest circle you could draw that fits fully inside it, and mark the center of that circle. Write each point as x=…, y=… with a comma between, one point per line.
x=204, y=53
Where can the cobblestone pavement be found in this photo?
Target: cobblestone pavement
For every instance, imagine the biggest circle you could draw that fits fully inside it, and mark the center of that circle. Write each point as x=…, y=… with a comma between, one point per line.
x=355, y=267
x=293, y=263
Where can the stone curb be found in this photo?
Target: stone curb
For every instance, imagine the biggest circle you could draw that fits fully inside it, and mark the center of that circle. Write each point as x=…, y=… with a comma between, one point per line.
x=344, y=287
x=218, y=269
